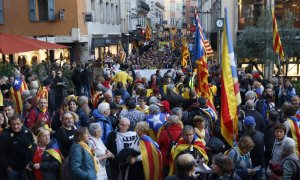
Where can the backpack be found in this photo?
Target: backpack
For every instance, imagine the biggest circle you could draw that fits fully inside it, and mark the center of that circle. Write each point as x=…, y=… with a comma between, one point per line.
x=66, y=173
x=296, y=173
x=172, y=145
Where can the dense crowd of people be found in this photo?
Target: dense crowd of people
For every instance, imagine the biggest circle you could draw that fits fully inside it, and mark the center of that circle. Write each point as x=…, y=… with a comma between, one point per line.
x=120, y=125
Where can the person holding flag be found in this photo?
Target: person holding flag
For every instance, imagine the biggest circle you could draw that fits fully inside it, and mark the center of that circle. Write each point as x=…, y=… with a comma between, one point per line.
x=15, y=93
x=230, y=93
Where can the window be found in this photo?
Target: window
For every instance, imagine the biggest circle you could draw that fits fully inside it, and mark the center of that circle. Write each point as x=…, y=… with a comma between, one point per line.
x=42, y=10
x=117, y=15
x=1, y=12
x=107, y=12
x=101, y=12
x=112, y=16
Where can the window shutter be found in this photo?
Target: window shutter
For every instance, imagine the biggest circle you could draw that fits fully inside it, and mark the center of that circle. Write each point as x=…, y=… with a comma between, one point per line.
x=1, y=12
x=51, y=10
x=32, y=10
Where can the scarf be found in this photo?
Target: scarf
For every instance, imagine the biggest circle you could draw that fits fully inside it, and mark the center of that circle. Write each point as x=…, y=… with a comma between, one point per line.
x=88, y=149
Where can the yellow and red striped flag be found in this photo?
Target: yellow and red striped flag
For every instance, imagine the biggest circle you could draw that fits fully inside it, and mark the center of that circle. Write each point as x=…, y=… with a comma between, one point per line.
x=148, y=31
x=230, y=92
x=277, y=46
x=201, y=61
x=185, y=53
x=122, y=53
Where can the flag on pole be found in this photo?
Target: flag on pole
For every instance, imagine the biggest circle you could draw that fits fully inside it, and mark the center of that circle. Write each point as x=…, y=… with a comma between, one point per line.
x=122, y=53
x=230, y=93
x=208, y=49
x=202, y=68
x=148, y=31
x=277, y=46
x=185, y=53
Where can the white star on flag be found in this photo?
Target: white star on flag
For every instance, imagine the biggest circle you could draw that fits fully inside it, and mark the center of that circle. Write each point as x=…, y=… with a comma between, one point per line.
x=156, y=120
x=16, y=82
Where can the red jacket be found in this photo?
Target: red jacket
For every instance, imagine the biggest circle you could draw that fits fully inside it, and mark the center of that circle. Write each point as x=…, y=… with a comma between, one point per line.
x=164, y=141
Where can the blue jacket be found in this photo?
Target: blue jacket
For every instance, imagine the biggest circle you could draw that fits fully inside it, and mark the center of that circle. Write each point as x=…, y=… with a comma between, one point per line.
x=82, y=163
x=104, y=123
x=83, y=118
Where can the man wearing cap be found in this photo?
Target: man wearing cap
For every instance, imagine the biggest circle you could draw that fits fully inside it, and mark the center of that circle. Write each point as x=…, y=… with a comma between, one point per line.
x=257, y=153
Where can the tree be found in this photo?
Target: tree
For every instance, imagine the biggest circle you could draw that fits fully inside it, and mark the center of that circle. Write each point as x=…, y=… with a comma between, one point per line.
x=256, y=42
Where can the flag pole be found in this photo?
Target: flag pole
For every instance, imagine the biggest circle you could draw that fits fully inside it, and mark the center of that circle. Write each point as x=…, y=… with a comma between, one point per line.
x=279, y=65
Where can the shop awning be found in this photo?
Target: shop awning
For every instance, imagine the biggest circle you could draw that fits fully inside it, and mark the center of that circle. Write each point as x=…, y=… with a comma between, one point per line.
x=10, y=44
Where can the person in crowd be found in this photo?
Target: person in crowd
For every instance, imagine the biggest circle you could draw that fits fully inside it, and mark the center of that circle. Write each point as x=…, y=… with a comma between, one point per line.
x=189, y=144
x=56, y=119
x=266, y=103
x=185, y=166
x=99, y=149
x=269, y=134
x=118, y=98
x=72, y=105
x=47, y=92
x=199, y=127
x=114, y=114
x=108, y=97
x=65, y=134
x=124, y=93
x=46, y=158
x=289, y=160
x=174, y=99
x=39, y=113
x=76, y=79
x=83, y=164
x=4, y=87
x=142, y=105
x=292, y=124
x=222, y=168
x=119, y=140
x=123, y=77
x=16, y=142
x=132, y=114
x=29, y=104
x=156, y=121
x=201, y=109
x=296, y=102
x=8, y=108
x=101, y=116
x=3, y=122
x=60, y=88
x=139, y=168
x=85, y=79
x=165, y=108
x=170, y=135
x=287, y=91
x=240, y=156
x=251, y=111
x=257, y=152
x=83, y=112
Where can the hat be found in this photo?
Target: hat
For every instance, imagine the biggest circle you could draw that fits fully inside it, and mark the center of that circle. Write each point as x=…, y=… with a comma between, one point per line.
x=166, y=105
x=249, y=121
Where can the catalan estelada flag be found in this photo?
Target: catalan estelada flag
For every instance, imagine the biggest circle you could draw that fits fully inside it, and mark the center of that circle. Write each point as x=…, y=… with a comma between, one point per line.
x=277, y=46
x=15, y=93
x=202, y=68
x=182, y=146
x=148, y=31
x=151, y=158
x=230, y=92
x=54, y=151
x=185, y=53
x=156, y=122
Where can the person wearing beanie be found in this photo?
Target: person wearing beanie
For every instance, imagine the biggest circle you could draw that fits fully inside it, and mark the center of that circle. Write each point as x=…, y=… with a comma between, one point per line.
x=257, y=153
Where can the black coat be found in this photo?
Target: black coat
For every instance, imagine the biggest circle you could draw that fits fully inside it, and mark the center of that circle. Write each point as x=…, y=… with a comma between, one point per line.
x=175, y=100
x=269, y=137
x=16, y=148
x=64, y=139
x=49, y=166
x=259, y=119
